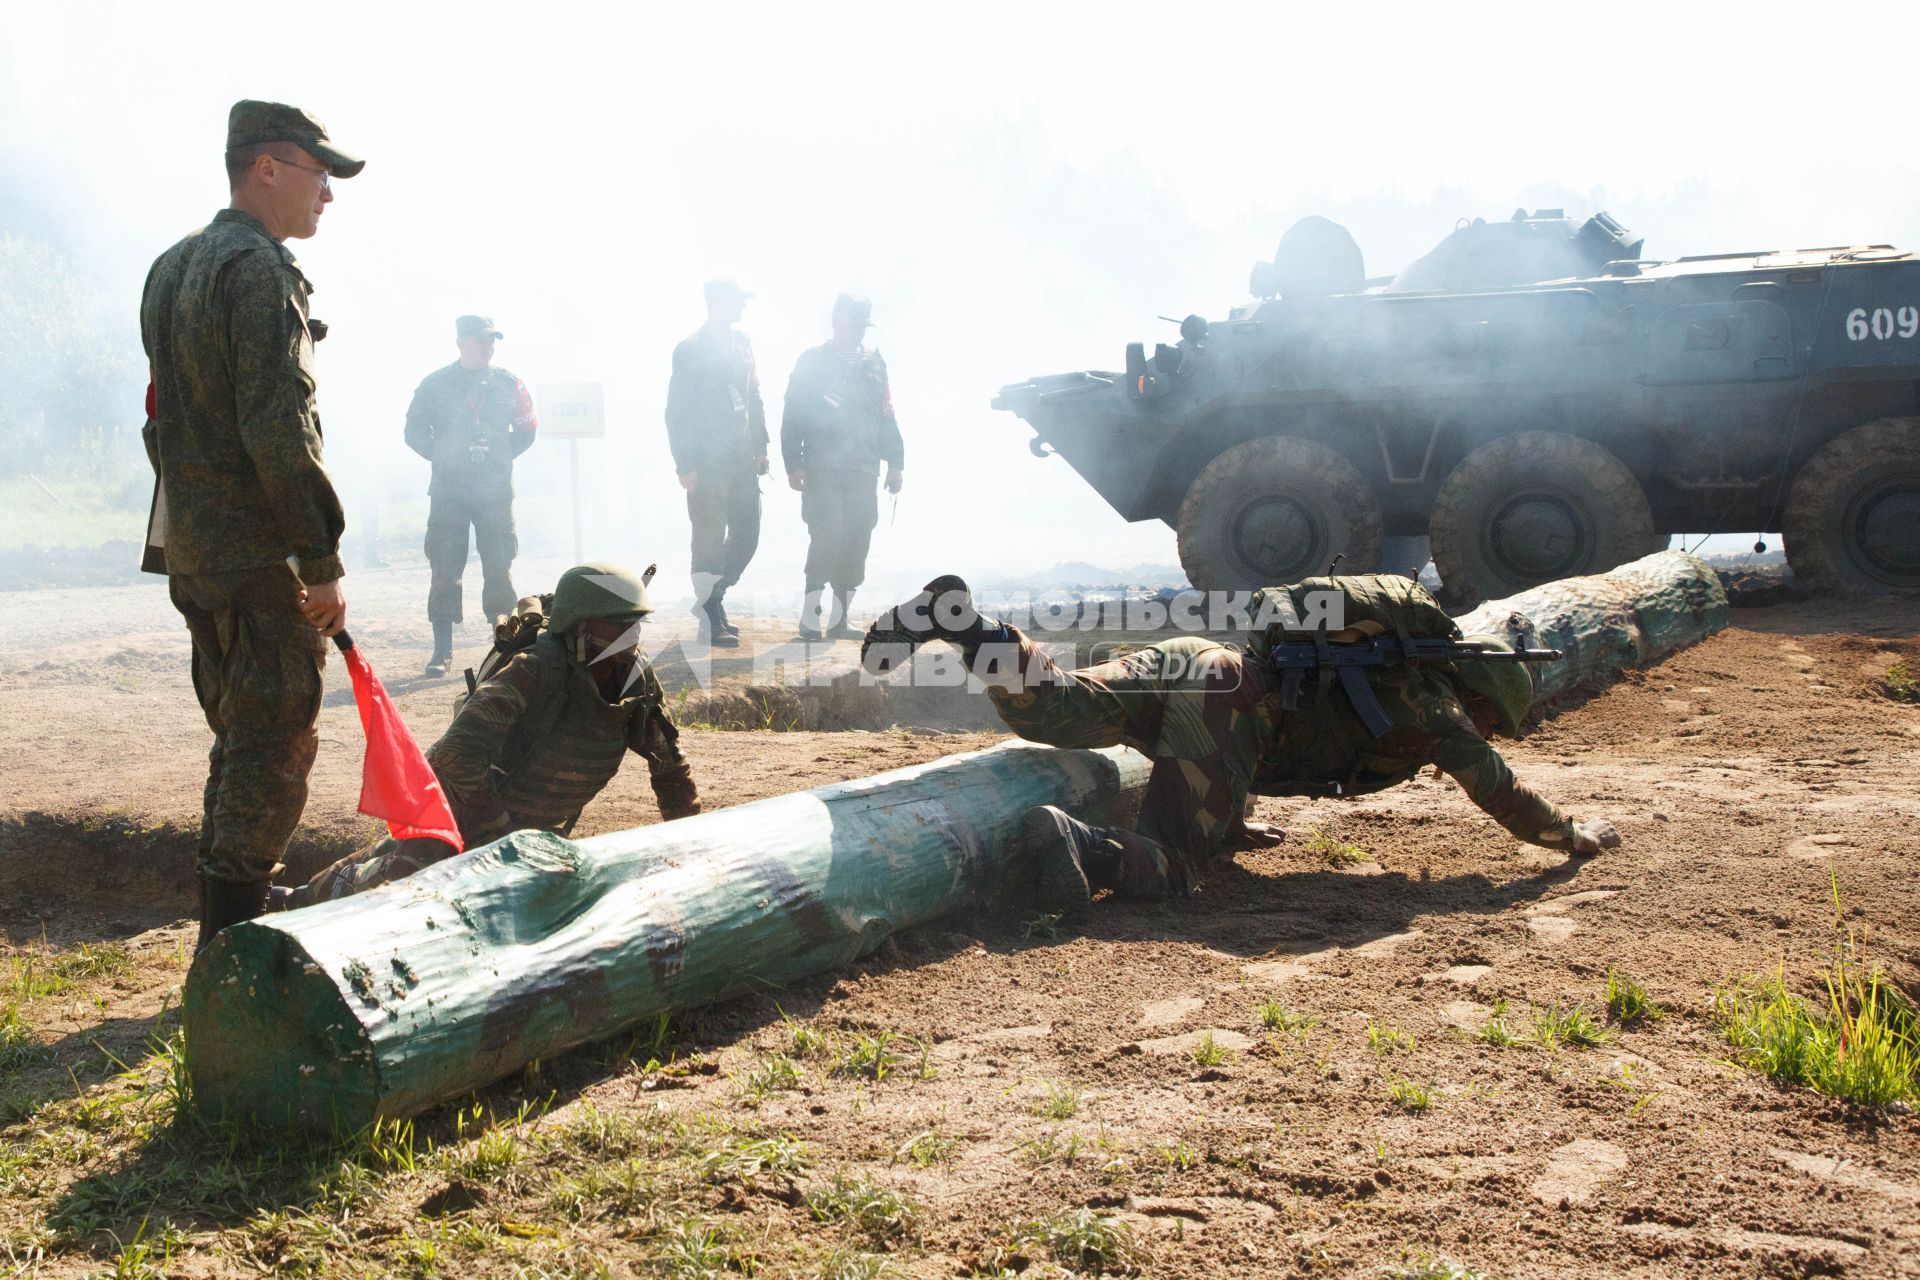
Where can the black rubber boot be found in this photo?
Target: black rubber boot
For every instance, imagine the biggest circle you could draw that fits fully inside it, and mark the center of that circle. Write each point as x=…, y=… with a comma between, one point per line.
x=1058, y=845
x=842, y=629
x=223, y=903
x=442, y=658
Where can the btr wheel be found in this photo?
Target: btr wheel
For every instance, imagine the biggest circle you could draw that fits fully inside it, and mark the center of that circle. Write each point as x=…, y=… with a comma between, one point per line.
x=1852, y=522
x=1277, y=510
x=1529, y=508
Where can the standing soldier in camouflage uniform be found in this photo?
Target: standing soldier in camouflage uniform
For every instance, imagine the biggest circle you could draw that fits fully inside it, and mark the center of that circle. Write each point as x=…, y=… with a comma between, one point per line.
x=1210, y=719
x=470, y=420
x=717, y=429
x=537, y=741
x=837, y=429
x=234, y=438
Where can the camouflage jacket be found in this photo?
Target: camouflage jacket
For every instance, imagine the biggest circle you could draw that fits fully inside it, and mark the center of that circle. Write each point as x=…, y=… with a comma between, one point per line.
x=236, y=436
x=1323, y=749
x=715, y=416
x=471, y=424
x=839, y=414
x=511, y=761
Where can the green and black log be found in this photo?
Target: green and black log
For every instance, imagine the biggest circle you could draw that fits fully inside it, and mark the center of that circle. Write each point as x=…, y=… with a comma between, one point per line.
x=1628, y=617
x=385, y=1003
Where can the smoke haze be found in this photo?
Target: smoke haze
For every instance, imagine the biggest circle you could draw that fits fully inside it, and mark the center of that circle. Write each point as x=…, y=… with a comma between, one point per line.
x=1019, y=189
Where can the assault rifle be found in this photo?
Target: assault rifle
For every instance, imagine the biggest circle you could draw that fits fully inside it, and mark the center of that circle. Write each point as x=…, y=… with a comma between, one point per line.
x=1345, y=660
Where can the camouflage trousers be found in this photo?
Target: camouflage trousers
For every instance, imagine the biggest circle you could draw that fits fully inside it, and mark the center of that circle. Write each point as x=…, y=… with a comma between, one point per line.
x=1190, y=705
x=841, y=509
x=449, y=516
x=385, y=861
x=256, y=672
x=724, y=510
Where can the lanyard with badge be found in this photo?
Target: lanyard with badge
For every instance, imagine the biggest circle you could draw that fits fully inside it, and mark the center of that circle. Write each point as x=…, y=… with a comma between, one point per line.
x=478, y=446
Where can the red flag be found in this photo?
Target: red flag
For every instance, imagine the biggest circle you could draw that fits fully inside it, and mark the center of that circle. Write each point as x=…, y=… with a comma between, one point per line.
x=396, y=782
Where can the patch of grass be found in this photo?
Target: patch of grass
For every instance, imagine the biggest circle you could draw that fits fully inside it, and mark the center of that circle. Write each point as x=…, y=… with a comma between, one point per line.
x=1388, y=1039
x=1177, y=1156
x=495, y=1152
x=591, y=1132
x=745, y=1159
x=1497, y=1032
x=40, y=974
x=1573, y=1026
x=849, y=1263
x=1421, y=1265
x=695, y=1249
x=1050, y=1147
x=1628, y=1001
x=1275, y=1016
x=18, y=1045
x=872, y=1055
x=1409, y=1095
x=1900, y=684
x=1062, y=1102
x=1083, y=1240
x=778, y=1072
x=928, y=1148
x=808, y=1041
x=876, y=1212
x=606, y=1190
x=1864, y=1047
x=1210, y=1052
x=1335, y=853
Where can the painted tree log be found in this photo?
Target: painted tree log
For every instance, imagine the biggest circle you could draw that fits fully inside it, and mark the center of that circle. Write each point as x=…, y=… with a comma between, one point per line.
x=1631, y=616
x=385, y=1003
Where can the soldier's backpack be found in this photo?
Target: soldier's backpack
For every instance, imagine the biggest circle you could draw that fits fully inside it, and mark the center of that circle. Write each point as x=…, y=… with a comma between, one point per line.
x=1365, y=605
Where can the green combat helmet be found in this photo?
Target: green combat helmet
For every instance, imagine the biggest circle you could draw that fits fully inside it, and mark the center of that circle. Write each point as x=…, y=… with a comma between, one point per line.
x=1505, y=684
x=597, y=589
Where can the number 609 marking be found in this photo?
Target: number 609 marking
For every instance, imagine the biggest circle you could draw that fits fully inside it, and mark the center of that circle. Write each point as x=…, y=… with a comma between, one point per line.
x=1882, y=323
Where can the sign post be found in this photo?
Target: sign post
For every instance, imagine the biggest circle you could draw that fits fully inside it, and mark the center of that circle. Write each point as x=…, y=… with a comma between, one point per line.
x=573, y=411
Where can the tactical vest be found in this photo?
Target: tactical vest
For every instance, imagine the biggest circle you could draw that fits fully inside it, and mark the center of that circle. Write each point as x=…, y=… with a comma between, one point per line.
x=568, y=746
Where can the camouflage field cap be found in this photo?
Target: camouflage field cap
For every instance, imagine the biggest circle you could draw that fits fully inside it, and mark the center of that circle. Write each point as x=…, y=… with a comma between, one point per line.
x=717, y=290
x=597, y=589
x=1507, y=685
x=855, y=308
x=475, y=327
x=252, y=121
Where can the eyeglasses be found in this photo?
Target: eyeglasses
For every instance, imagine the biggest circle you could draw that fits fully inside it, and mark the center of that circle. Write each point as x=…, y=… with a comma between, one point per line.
x=326, y=175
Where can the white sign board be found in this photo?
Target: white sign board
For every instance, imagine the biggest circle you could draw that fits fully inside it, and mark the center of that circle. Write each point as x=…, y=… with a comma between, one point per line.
x=572, y=410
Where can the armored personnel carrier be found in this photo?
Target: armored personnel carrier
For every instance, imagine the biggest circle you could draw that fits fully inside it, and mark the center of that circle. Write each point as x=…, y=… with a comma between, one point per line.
x=1533, y=397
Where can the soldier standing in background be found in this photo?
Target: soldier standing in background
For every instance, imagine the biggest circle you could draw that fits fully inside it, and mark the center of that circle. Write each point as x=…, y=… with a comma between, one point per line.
x=470, y=420
x=234, y=439
x=717, y=429
x=836, y=430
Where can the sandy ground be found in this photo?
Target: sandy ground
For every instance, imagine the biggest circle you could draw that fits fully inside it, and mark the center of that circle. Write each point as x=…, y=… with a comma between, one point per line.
x=1749, y=777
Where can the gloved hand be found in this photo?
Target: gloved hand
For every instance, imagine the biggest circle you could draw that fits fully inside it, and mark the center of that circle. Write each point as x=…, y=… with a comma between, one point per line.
x=1593, y=835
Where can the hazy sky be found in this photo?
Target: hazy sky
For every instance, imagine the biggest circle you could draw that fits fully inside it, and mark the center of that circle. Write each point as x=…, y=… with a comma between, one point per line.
x=1019, y=188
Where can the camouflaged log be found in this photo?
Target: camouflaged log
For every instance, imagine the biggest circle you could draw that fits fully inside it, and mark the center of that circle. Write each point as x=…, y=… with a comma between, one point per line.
x=1631, y=616
x=385, y=1003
